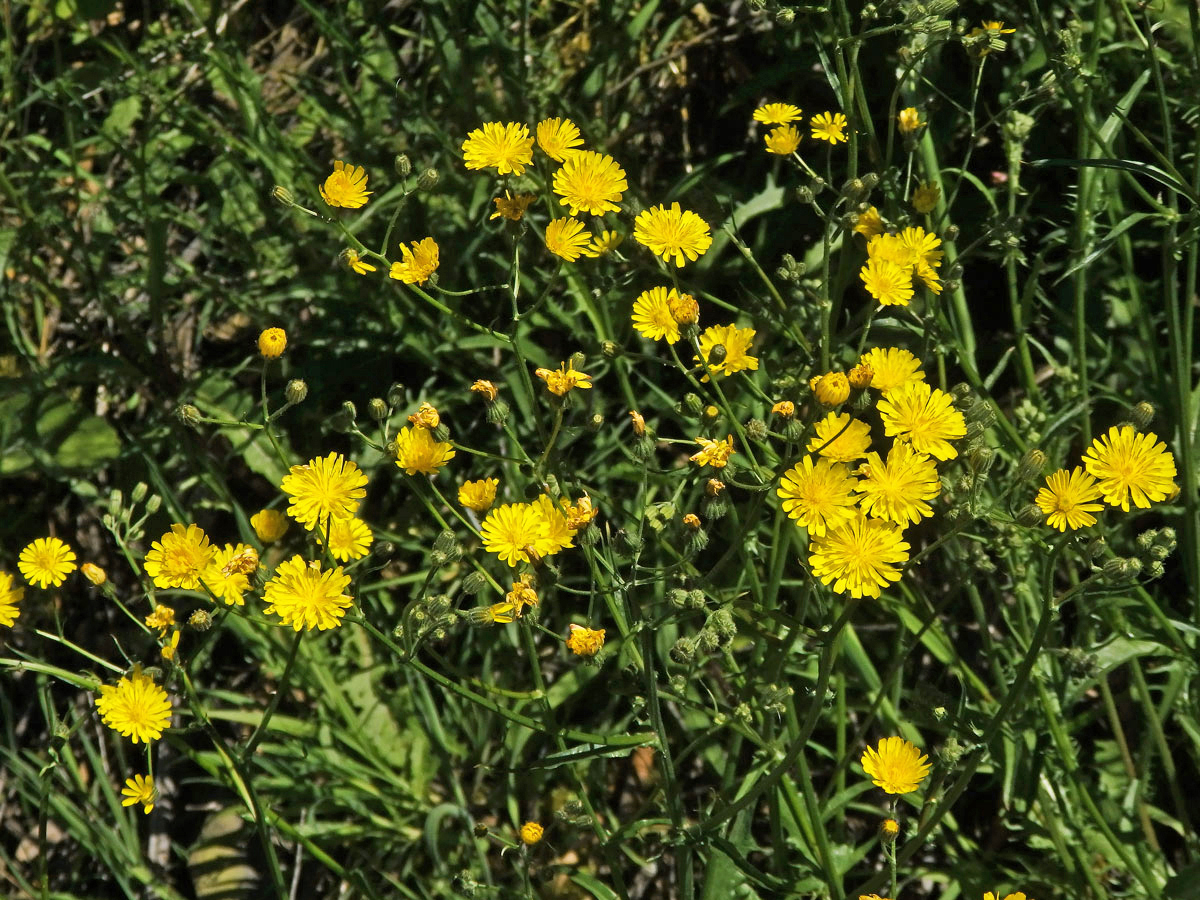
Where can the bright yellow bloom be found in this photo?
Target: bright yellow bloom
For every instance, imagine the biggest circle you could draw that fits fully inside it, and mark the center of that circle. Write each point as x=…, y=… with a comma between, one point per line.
x=325, y=487
x=604, y=243
x=887, y=282
x=860, y=376
x=860, y=556
x=10, y=596
x=496, y=614
x=925, y=197
x=418, y=264
x=510, y=531
x=920, y=248
x=840, y=437
x=93, y=573
x=1068, y=499
x=507, y=148
x=426, y=416
x=736, y=342
x=579, y=513
x=531, y=833
x=899, y=489
x=1129, y=465
x=558, y=137
x=272, y=342
x=349, y=539
x=224, y=576
x=584, y=641
x=269, y=524
x=829, y=127
x=930, y=277
x=889, y=829
x=346, y=187
x=783, y=140
x=818, y=497
x=511, y=207
x=892, y=368
x=556, y=533
x=869, y=223
x=777, y=114
x=417, y=451
x=356, y=263
x=567, y=238
x=831, y=389
x=139, y=789
x=895, y=765
x=162, y=618
x=179, y=557
x=714, y=453
x=1017, y=896
x=888, y=247
x=168, y=650
x=923, y=416
x=909, y=120
x=563, y=380
x=478, y=495
x=674, y=232
x=590, y=182
x=135, y=707
x=46, y=561
x=785, y=409
x=305, y=597
x=652, y=314
x=522, y=594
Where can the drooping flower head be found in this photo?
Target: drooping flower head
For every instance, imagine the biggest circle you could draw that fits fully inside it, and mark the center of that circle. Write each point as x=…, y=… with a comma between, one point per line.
x=567, y=238
x=356, y=263
x=511, y=207
x=818, y=496
x=923, y=416
x=736, y=342
x=135, y=707
x=672, y=233
x=178, y=559
x=10, y=597
x=1068, y=499
x=714, y=453
x=557, y=137
x=777, y=114
x=829, y=127
x=891, y=368
x=782, y=141
x=511, y=531
x=418, y=264
x=840, y=437
x=349, y=539
x=507, y=148
x=1131, y=466
x=46, y=561
x=304, y=597
x=604, y=243
x=590, y=182
x=478, y=495
x=323, y=488
x=895, y=765
x=346, y=187
x=989, y=37
x=900, y=489
x=860, y=557
x=418, y=451
x=139, y=789
x=522, y=594
x=584, y=641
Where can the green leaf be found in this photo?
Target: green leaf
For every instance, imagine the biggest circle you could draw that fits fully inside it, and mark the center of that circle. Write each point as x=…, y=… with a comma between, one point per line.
x=120, y=119
x=1122, y=650
x=93, y=441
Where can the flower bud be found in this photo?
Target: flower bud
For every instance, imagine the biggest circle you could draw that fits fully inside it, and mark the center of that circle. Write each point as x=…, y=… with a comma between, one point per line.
x=785, y=16
x=201, y=620
x=403, y=165
x=980, y=459
x=1031, y=515
x=693, y=405
x=860, y=377
x=383, y=550
x=272, y=342
x=1155, y=569
x=93, y=573
x=473, y=583
x=611, y=349
x=427, y=180
x=295, y=391
x=1142, y=415
x=756, y=430
x=188, y=415
x=1031, y=464
x=951, y=233
x=153, y=504
x=683, y=650
x=377, y=409
x=395, y=394
x=138, y=494
x=283, y=196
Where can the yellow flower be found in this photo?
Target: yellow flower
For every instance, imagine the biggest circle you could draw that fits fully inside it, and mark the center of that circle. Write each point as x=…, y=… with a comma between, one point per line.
x=652, y=316
x=168, y=650
x=531, y=833
x=139, y=789
x=1017, y=896
x=832, y=388
x=590, y=182
x=487, y=389
x=887, y=282
x=888, y=247
x=869, y=223
x=785, y=409
x=561, y=381
x=349, y=539
x=783, y=140
x=714, y=453
x=418, y=264
x=899, y=489
x=243, y=560
x=988, y=38
x=269, y=524
x=840, y=438
x=305, y=597
x=1129, y=465
x=579, y=513
x=272, y=342
x=162, y=618
x=892, y=368
x=325, y=487
x=93, y=573
x=604, y=243
x=930, y=278
x=920, y=248
x=691, y=521
x=46, y=561
x=557, y=137
x=556, y=533
x=860, y=556
x=567, y=238
x=179, y=557
x=777, y=113
x=684, y=308
x=478, y=495
x=346, y=187
x=818, y=497
x=909, y=120
x=1068, y=498
x=895, y=765
x=829, y=127
x=638, y=423
x=522, y=594
x=926, y=196
x=426, y=416
x=584, y=641
x=135, y=707
x=511, y=207
x=923, y=416
x=357, y=263
x=10, y=596
x=673, y=232
x=889, y=829
x=736, y=342
x=507, y=148
x=223, y=575
x=511, y=530
x=496, y=614
x=417, y=451
x=860, y=376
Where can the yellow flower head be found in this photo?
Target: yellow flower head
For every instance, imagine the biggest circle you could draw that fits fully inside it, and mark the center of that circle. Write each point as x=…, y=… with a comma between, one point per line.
x=895, y=765
x=162, y=618
x=168, y=650
x=889, y=829
x=829, y=127
x=417, y=451
x=356, y=263
x=926, y=196
x=511, y=531
x=909, y=120
x=691, y=521
x=1017, y=896
x=557, y=137
x=920, y=248
x=178, y=559
x=139, y=789
x=860, y=556
x=93, y=573
x=511, y=207
x=269, y=524
x=860, y=376
x=736, y=342
x=426, y=416
x=1131, y=466
x=785, y=409
x=487, y=389
x=507, y=148
x=869, y=223
x=987, y=38
x=46, y=561
x=888, y=247
x=840, y=437
x=224, y=575
x=567, y=238
x=714, y=453
x=584, y=641
x=478, y=495
x=891, y=368
x=652, y=316
x=1068, y=499
x=323, y=488
x=832, y=388
x=579, y=513
x=242, y=560
x=672, y=233
x=418, y=264
x=531, y=833
x=639, y=423
x=898, y=490
x=923, y=416
x=783, y=140
x=272, y=342
x=346, y=187
x=564, y=379
x=604, y=243
x=777, y=114
x=522, y=594
x=10, y=596
x=556, y=533
x=135, y=707
x=887, y=282
x=818, y=496
x=590, y=182
x=305, y=597
x=349, y=539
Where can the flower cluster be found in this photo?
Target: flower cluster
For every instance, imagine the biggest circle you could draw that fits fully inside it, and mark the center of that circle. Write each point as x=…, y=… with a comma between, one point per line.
x=784, y=137
x=896, y=261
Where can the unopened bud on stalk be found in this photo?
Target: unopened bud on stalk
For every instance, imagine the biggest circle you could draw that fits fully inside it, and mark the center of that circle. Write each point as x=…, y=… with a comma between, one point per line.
x=870, y=181
x=201, y=620
x=473, y=583
x=717, y=355
x=785, y=16
x=1095, y=548
x=980, y=459
x=1142, y=415
x=951, y=233
x=1031, y=515
x=395, y=394
x=1031, y=465
x=961, y=395
x=611, y=349
x=295, y=391
x=189, y=415
x=805, y=194
x=756, y=430
x=427, y=180
x=383, y=550
x=138, y=494
x=283, y=196
x=683, y=650
x=377, y=409
x=153, y=504
x=1120, y=569
x=693, y=405
x=403, y=165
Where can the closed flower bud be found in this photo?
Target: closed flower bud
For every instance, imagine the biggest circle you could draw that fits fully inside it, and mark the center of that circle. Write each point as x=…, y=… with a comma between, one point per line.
x=696, y=599
x=756, y=430
x=951, y=233
x=283, y=196
x=188, y=415
x=403, y=165
x=349, y=411
x=93, y=573
x=153, y=504
x=138, y=494
x=683, y=650
x=383, y=550
x=707, y=640
x=870, y=181
x=611, y=349
x=447, y=543
x=831, y=389
x=693, y=405
x=395, y=395
x=785, y=16
x=1155, y=569
x=1142, y=415
x=377, y=409
x=295, y=391
x=639, y=423
x=201, y=620
x=980, y=459
x=473, y=583
x=1031, y=465
x=497, y=412
x=975, y=430
x=860, y=377
x=427, y=180
x=962, y=395
x=805, y=194
x=1146, y=539
x=677, y=597
x=1120, y=570
x=1031, y=515
x=1095, y=548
